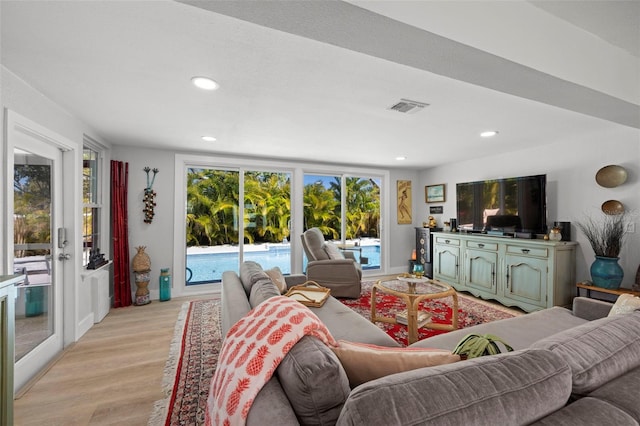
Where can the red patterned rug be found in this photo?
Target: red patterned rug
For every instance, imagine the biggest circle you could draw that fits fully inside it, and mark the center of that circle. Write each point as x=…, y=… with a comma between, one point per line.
x=192, y=361
x=471, y=311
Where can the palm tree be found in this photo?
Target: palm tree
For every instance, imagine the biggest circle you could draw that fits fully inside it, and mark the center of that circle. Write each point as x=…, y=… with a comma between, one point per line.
x=320, y=207
x=269, y=197
x=212, y=203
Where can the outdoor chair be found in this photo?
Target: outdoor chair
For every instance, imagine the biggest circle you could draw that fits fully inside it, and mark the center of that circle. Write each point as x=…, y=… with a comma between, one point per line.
x=329, y=267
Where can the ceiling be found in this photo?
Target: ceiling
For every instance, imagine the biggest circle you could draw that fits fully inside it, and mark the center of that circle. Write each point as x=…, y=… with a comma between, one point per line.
x=314, y=80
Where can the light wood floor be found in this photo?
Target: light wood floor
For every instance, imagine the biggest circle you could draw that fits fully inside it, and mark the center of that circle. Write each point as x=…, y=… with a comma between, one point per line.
x=112, y=375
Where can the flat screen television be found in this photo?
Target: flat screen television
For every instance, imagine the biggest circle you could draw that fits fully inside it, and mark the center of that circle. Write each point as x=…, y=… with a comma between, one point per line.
x=510, y=205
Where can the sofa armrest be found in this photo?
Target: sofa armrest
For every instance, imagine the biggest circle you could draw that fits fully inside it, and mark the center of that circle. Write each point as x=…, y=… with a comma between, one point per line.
x=295, y=279
x=349, y=255
x=235, y=303
x=590, y=309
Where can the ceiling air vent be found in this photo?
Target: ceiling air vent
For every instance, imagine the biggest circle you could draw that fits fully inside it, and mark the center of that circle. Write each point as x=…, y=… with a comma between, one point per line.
x=406, y=106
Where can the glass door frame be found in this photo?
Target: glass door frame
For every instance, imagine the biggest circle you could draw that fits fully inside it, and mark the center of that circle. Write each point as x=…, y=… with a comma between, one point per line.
x=297, y=170
x=384, y=208
x=182, y=163
x=20, y=131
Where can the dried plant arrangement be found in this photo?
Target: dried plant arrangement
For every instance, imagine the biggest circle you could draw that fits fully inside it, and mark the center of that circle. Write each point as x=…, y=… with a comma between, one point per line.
x=605, y=234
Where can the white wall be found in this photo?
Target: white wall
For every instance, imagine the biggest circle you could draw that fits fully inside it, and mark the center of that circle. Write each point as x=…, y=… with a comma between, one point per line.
x=23, y=99
x=403, y=237
x=156, y=236
x=572, y=192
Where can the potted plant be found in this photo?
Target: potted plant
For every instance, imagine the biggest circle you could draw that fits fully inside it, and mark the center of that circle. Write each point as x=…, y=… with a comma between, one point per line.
x=606, y=236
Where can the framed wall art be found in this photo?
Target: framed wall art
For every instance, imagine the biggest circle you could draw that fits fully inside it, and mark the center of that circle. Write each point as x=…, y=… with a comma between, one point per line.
x=404, y=202
x=434, y=193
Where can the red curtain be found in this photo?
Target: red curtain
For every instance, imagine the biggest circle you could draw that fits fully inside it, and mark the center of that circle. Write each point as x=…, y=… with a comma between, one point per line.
x=120, y=234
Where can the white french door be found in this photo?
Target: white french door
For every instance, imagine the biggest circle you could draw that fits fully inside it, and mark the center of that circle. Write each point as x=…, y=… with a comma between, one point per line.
x=38, y=252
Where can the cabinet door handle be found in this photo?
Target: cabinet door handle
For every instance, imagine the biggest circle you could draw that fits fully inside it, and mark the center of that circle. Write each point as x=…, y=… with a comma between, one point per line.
x=493, y=275
x=525, y=251
x=507, y=277
x=481, y=245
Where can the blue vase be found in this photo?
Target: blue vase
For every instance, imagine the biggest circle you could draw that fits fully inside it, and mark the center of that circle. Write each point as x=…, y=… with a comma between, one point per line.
x=606, y=272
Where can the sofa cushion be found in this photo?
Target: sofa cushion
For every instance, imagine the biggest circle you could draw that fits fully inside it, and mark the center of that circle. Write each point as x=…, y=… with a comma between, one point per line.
x=625, y=304
x=314, y=381
x=271, y=406
x=506, y=389
x=598, y=351
x=262, y=290
x=622, y=392
x=275, y=274
x=363, y=362
x=588, y=412
x=250, y=272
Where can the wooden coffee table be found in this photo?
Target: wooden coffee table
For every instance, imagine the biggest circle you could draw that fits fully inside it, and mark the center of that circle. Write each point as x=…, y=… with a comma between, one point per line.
x=413, y=291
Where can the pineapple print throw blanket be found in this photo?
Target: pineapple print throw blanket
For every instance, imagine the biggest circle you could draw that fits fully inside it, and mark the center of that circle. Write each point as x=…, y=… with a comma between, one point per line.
x=251, y=352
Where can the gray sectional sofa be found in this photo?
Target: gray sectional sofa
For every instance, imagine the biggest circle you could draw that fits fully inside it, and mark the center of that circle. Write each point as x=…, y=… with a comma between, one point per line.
x=570, y=367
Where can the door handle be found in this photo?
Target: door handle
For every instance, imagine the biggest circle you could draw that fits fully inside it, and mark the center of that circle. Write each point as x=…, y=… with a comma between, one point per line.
x=64, y=256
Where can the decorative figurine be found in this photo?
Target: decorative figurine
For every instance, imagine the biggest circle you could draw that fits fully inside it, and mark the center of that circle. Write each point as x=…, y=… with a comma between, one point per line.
x=141, y=264
x=96, y=259
x=149, y=196
x=432, y=222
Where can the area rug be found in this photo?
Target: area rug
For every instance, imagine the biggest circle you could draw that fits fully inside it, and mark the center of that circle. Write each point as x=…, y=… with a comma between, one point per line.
x=192, y=361
x=471, y=311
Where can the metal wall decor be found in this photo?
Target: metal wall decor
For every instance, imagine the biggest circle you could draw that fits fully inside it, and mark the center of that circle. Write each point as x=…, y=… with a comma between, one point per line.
x=611, y=176
x=149, y=196
x=612, y=207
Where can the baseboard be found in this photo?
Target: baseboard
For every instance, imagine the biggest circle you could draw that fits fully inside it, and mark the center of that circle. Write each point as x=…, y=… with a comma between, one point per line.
x=84, y=325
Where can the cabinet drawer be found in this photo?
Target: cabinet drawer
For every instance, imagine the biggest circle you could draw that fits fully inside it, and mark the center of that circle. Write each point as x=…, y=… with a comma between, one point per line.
x=482, y=245
x=449, y=241
x=528, y=251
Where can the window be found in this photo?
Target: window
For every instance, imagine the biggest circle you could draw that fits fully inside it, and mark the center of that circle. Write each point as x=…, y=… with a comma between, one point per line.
x=352, y=220
x=91, y=202
x=238, y=209
x=215, y=241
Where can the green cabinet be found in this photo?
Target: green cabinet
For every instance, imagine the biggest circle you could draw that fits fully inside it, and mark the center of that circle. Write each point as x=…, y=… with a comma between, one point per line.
x=529, y=274
x=481, y=270
x=446, y=260
x=526, y=280
x=7, y=341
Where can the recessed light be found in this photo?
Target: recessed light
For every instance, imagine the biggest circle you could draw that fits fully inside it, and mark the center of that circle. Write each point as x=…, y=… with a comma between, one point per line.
x=209, y=138
x=401, y=158
x=204, y=83
x=488, y=133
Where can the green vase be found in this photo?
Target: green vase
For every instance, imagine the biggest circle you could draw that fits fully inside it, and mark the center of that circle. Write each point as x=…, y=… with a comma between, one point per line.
x=606, y=272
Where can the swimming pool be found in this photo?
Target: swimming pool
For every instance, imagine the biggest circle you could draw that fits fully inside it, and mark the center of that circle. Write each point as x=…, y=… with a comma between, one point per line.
x=208, y=267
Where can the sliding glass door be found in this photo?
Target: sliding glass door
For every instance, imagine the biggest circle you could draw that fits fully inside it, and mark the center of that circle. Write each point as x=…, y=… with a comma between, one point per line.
x=215, y=220
x=267, y=219
x=212, y=227
x=346, y=209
